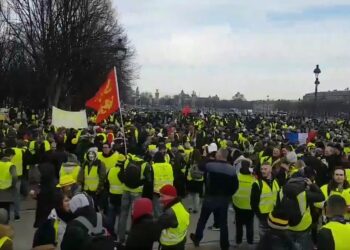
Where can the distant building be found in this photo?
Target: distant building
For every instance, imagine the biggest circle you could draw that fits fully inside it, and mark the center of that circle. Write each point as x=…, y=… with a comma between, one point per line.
x=335, y=95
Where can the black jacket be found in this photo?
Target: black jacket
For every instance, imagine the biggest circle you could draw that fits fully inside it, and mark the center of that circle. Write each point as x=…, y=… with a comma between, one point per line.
x=144, y=232
x=220, y=179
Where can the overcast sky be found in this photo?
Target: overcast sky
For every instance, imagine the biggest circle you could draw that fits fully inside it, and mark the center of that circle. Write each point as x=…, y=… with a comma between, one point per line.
x=256, y=47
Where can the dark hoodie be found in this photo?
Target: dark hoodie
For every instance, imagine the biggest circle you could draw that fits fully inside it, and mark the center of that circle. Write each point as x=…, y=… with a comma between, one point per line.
x=76, y=236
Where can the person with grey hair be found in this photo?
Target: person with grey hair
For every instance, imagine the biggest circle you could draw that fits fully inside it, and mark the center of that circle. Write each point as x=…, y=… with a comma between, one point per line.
x=221, y=183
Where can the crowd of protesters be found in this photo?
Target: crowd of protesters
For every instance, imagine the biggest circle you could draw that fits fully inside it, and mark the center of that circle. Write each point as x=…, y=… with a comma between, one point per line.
x=87, y=182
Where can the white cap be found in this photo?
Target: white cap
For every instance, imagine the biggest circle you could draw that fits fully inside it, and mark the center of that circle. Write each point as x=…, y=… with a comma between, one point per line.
x=212, y=147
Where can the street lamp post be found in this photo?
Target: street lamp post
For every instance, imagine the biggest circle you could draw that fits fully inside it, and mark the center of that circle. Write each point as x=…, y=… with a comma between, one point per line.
x=317, y=71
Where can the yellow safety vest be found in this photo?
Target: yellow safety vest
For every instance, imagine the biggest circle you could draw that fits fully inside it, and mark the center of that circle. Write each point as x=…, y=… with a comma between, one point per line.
x=56, y=226
x=264, y=159
x=268, y=196
x=17, y=160
x=115, y=185
x=172, y=236
x=110, y=161
x=306, y=219
x=104, y=136
x=5, y=175
x=74, y=173
x=3, y=240
x=347, y=173
x=345, y=194
x=241, y=198
x=188, y=153
x=143, y=166
x=340, y=233
x=91, y=179
x=163, y=175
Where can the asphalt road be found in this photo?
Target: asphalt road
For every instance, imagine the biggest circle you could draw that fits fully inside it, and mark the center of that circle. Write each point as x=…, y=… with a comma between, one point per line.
x=24, y=231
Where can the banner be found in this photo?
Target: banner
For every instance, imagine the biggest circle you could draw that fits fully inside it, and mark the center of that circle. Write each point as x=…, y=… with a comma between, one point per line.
x=68, y=119
x=106, y=100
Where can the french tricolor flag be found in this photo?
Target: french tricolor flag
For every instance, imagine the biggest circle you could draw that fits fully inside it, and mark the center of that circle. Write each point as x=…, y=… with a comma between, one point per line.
x=301, y=138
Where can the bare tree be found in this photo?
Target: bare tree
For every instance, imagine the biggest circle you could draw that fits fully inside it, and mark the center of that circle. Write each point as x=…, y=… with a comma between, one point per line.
x=70, y=46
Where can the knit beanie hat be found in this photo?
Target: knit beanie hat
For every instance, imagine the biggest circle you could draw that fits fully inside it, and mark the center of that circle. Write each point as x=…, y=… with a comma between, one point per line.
x=141, y=207
x=279, y=217
x=168, y=190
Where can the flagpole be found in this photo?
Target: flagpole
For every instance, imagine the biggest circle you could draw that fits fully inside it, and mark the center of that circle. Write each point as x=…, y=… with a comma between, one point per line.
x=120, y=111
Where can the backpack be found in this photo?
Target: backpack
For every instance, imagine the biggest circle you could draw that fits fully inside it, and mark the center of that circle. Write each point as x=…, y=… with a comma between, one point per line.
x=132, y=174
x=196, y=173
x=98, y=237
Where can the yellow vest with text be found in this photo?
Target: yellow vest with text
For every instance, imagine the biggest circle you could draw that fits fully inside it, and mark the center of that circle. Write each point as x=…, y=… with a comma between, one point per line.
x=173, y=236
x=340, y=233
x=17, y=160
x=115, y=185
x=91, y=179
x=163, y=175
x=5, y=175
x=74, y=173
x=268, y=196
x=304, y=209
x=241, y=198
x=110, y=161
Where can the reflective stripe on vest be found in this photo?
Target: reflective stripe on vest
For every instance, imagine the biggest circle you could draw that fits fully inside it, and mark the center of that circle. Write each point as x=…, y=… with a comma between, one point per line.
x=3, y=240
x=340, y=233
x=304, y=209
x=173, y=236
x=115, y=185
x=268, y=196
x=5, y=175
x=163, y=175
x=17, y=160
x=241, y=198
x=91, y=179
x=73, y=171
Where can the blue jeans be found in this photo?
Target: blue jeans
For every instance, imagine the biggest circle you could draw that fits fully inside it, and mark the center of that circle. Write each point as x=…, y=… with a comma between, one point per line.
x=218, y=205
x=127, y=200
x=301, y=240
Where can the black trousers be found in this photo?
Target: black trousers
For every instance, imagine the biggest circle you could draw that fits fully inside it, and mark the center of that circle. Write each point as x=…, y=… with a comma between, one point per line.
x=244, y=217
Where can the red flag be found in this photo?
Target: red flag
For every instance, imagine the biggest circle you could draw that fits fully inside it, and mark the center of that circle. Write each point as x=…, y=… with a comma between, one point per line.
x=106, y=101
x=186, y=111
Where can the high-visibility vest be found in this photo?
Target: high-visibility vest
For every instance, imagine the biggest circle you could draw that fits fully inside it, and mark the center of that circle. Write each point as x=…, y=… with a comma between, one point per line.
x=3, y=240
x=163, y=175
x=268, y=196
x=5, y=175
x=347, y=173
x=91, y=179
x=74, y=171
x=143, y=166
x=340, y=233
x=109, y=161
x=188, y=153
x=345, y=193
x=104, y=136
x=241, y=198
x=306, y=219
x=17, y=160
x=115, y=185
x=264, y=159
x=32, y=145
x=172, y=236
